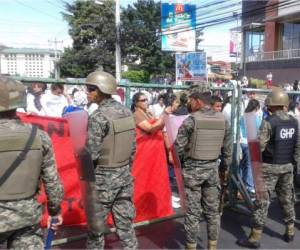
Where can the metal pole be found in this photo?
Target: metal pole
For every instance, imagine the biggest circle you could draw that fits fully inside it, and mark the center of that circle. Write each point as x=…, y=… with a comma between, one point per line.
x=118, y=49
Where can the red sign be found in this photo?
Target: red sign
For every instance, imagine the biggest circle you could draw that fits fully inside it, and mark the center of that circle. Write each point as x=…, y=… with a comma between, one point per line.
x=179, y=8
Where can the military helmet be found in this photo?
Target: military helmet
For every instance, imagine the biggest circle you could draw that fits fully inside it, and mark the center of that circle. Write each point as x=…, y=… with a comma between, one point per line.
x=12, y=94
x=198, y=88
x=277, y=98
x=105, y=82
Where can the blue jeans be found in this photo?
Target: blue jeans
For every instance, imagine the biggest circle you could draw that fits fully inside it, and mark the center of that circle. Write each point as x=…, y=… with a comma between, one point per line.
x=245, y=168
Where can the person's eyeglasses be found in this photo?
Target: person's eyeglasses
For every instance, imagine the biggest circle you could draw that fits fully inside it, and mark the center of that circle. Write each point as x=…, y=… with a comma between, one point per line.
x=91, y=88
x=143, y=100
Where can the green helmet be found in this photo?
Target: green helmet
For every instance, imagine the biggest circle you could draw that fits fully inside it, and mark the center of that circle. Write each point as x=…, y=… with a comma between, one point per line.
x=277, y=98
x=198, y=88
x=12, y=94
x=105, y=82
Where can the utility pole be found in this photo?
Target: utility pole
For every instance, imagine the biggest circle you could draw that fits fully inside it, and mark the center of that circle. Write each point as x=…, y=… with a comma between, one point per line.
x=235, y=14
x=56, y=58
x=118, y=49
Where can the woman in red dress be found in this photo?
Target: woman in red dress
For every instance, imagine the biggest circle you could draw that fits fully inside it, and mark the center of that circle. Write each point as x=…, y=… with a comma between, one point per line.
x=152, y=189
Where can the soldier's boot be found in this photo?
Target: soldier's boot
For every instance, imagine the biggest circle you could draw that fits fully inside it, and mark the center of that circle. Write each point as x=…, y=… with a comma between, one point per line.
x=289, y=232
x=212, y=245
x=253, y=241
x=191, y=246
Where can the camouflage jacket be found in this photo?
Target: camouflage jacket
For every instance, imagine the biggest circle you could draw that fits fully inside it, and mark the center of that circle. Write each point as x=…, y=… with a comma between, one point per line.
x=184, y=136
x=265, y=133
x=98, y=127
x=27, y=212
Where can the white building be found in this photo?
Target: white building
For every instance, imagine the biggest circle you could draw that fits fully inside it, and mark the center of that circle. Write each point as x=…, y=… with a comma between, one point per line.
x=27, y=62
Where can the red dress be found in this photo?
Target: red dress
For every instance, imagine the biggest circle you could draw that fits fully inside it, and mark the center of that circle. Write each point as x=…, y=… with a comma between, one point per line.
x=152, y=193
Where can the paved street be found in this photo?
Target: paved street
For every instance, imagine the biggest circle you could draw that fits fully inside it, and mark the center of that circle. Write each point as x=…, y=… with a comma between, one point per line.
x=170, y=234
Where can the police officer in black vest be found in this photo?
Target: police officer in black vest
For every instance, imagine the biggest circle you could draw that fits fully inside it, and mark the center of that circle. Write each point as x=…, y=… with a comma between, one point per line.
x=279, y=144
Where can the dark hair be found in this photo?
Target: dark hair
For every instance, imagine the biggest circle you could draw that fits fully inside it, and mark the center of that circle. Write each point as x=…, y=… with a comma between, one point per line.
x=292, y=106
x=253, y=104
x=161, y=96
x=183, y=99
x=41, y=85
x=74, y=91
x=215, y=99
x=204, y=96
x=56, y=86
x=135, y=99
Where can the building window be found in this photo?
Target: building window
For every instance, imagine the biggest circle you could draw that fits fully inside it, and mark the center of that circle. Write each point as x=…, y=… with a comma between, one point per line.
x=291, y=36
x=254, y=42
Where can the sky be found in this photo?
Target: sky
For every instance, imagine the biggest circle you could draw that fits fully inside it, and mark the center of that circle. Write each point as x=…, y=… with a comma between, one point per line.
x=37, y=23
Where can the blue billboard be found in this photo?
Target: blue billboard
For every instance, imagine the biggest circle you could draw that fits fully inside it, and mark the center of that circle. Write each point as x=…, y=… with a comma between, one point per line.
x=178, y=23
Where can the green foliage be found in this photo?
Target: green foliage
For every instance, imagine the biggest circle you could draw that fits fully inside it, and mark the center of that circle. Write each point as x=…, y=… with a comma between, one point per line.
x=142, y=40
x=92, y=28
x=140, y=76
x=258, y=83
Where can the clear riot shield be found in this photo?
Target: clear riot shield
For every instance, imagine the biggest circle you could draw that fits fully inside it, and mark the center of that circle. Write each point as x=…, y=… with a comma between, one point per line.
x=78, y=132
x=172, y=124
x=255, y=154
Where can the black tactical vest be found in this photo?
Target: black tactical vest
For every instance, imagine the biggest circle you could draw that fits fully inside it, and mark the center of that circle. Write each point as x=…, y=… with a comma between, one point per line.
x=280, y=148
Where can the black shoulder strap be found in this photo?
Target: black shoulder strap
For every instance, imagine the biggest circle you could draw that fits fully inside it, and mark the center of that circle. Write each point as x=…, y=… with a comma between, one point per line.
x=20, y=157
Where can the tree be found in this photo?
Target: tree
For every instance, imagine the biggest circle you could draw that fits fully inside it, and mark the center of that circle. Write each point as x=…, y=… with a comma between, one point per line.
x=141, y=38
x=92, y=28
x=136, y=76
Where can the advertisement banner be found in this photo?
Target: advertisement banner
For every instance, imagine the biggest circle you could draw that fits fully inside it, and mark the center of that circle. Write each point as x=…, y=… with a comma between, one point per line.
x=178, y=23
x=233, y=43
x=191, y=66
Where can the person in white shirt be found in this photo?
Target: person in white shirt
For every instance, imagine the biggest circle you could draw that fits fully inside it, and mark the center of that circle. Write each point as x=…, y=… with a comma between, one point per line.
x=158, y=108
x=54, y=102
x=34, y=95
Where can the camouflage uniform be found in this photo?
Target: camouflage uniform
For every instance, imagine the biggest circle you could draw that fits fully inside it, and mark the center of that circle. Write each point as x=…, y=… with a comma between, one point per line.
x=276, y=177
x=19, y=220
x=114, y=185
x=201, y=182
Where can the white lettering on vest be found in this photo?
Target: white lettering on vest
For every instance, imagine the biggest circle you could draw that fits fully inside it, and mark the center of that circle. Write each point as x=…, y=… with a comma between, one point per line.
x=287, y=133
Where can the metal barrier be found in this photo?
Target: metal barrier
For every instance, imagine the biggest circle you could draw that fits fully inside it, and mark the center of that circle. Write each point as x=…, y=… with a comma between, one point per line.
x=128, y=86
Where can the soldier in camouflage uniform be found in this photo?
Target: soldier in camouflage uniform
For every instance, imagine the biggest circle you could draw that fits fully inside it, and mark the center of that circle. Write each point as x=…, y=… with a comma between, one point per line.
x=198, y=145
x=279, y=144
x=110, y=127
x=22, y=167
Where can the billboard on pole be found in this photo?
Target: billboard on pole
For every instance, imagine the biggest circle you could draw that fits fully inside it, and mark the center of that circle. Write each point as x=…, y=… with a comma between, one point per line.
x=178, y=23
x=191, y=66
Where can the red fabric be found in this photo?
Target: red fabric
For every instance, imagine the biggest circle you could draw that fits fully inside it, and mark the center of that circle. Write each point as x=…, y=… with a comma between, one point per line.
x=57, y=128
x=152, y=193
x=151, y=179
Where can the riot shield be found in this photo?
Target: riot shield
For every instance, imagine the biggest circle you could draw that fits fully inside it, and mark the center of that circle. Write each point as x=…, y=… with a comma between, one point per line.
x=255, y=154
x=78, y=132
x=172, y=124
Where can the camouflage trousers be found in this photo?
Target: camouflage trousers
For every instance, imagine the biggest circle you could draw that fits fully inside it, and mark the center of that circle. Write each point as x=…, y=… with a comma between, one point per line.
x=24, y=238
x=280, y=179
x=202, y=191
x=119, y=202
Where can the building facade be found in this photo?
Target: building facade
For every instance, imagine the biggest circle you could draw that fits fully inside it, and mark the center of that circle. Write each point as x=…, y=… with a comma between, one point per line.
x=271, y=40
x=27, y=62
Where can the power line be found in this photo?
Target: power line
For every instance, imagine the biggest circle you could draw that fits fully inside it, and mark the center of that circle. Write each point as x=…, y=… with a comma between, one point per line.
x=230, y=18
x=32, y=8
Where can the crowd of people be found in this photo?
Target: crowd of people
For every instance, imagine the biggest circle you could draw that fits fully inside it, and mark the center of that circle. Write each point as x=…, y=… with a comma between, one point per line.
x=205, y=137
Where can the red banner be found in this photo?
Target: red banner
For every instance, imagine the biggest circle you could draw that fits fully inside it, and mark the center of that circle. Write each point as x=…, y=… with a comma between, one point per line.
x=151, y=179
